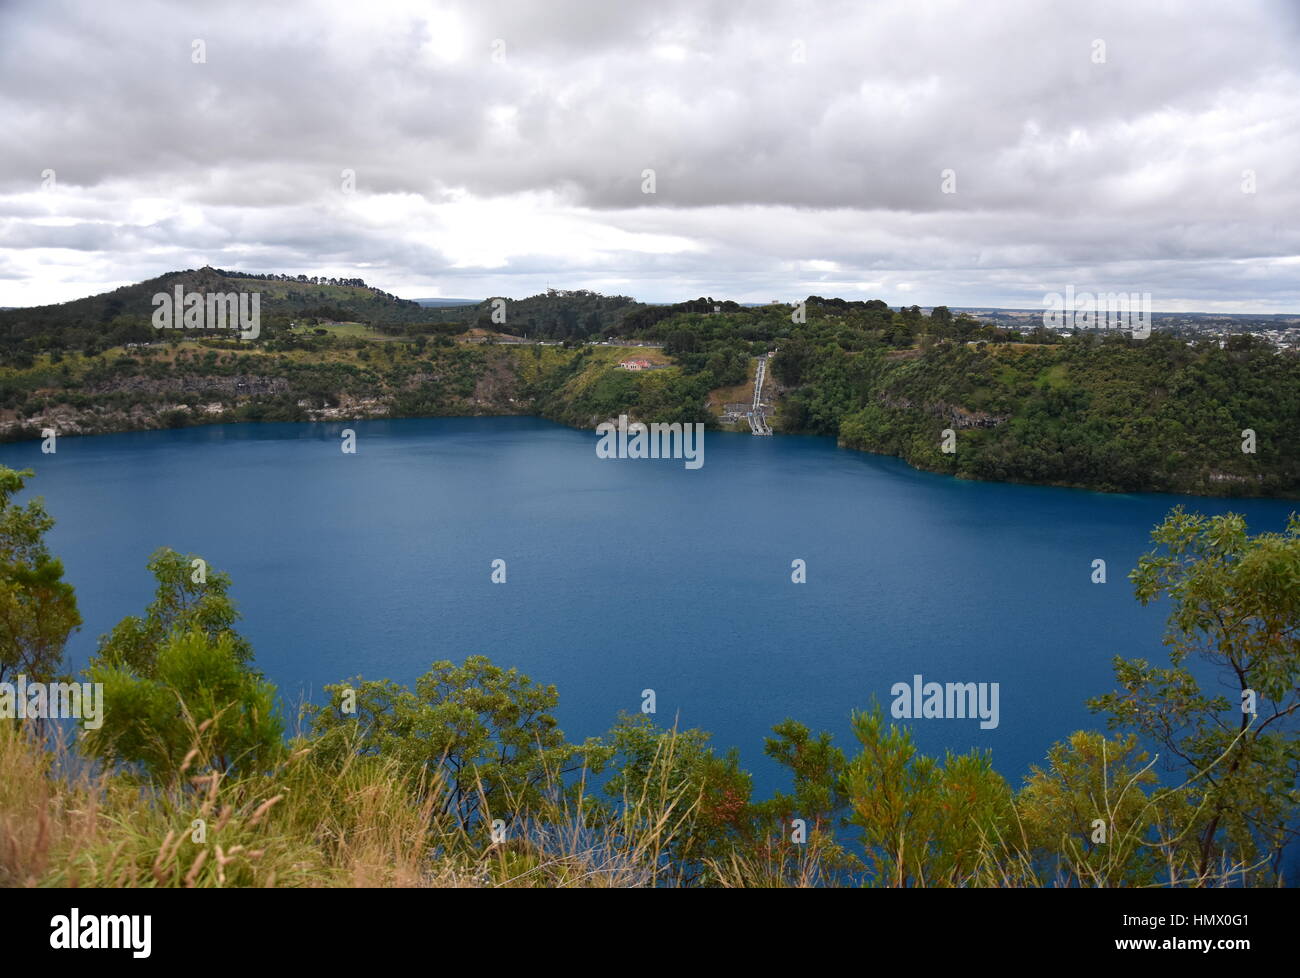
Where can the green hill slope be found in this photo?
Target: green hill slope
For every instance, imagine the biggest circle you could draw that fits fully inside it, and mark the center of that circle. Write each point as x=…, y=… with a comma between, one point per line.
x=123, y=315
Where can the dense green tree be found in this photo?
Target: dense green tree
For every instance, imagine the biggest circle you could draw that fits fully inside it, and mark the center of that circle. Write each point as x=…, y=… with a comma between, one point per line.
x=480, y=737
x=791, y=361
x=924, y=822
x=685, y=806
x=816, y=807
x=681, y=341
x=190, y=595
x=197, y=696
x=1086, y=818
x=38, y=608
x=1235, y=608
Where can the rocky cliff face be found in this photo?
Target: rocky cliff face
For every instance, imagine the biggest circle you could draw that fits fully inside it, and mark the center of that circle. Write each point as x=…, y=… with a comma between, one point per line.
x=238, y=385
x=152, y=397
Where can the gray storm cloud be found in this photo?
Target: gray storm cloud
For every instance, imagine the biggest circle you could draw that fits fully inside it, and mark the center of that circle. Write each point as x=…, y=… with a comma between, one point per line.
x=499, y=147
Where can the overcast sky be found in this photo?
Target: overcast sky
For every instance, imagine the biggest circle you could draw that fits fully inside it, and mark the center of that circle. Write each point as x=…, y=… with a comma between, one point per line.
x=499, y=147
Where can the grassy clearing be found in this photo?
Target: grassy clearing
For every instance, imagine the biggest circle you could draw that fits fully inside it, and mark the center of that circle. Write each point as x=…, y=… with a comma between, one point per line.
x=721, y=396
x=355, y=331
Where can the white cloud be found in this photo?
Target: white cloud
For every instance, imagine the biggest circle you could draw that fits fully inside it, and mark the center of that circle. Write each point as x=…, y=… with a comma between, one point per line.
x=479, y=176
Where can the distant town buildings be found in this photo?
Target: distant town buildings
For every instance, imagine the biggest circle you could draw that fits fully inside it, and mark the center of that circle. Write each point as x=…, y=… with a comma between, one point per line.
x=1280, y=330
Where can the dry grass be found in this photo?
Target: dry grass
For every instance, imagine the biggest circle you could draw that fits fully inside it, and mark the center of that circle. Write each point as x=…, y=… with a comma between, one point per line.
x=64, y=827
x=62, y=824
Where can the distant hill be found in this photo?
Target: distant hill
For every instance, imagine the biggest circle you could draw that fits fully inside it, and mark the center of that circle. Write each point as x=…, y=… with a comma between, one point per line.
x=124, y=314
x=556, y=314
x=434, y=303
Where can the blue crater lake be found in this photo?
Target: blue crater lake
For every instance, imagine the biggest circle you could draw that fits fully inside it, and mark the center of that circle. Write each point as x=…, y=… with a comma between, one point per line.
x=626, y=575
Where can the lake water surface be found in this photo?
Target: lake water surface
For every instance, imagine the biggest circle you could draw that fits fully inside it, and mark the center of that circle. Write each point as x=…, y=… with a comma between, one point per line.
x=627, y=575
